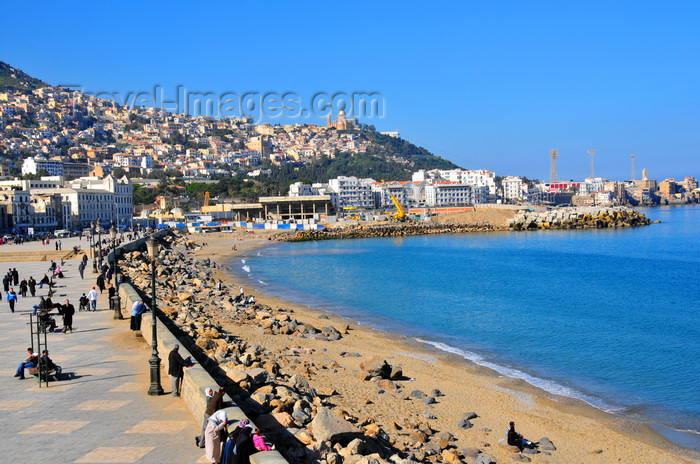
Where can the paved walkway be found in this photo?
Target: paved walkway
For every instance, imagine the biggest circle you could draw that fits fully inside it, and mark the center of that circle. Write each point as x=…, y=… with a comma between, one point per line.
x=101, y=413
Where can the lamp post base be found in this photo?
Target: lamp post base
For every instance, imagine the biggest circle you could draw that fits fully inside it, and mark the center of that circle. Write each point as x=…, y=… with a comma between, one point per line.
x=117, y=302
x=155, y=389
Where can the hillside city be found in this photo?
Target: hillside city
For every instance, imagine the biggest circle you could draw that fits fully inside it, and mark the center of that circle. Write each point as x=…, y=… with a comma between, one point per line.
x=70, y=160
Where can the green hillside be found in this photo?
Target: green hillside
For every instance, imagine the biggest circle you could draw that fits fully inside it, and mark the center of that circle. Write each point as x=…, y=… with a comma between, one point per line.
x=15, y=79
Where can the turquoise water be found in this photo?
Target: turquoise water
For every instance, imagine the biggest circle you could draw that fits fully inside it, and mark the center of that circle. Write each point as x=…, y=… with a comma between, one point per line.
x=606, y=316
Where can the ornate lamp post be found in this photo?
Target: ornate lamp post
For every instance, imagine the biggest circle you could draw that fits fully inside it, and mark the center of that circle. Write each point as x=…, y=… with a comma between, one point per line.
x=116, y=300
x=156, y=388
x=92, y=247
x=99, y=242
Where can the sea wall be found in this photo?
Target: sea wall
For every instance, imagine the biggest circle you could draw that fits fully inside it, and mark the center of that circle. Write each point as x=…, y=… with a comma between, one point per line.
x=196, y=378
x=387, y=230
x=592, y=217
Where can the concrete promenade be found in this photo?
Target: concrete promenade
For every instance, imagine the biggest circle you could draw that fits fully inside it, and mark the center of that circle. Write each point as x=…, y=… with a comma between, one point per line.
x=100, y=413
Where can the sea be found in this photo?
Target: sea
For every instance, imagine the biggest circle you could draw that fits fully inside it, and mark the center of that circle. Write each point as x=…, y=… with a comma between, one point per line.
x=606, y=316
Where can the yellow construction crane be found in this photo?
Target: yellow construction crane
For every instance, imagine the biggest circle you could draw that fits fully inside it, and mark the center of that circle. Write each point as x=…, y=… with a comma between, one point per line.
x=205, y=206
x=400, y=213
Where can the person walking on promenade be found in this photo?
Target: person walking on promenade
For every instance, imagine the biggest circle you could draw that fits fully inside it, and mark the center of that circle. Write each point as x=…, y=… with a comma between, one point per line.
x=215, y=401
x=6, y=283
x=92, y=296
x=12, y=299
x=101, y=282
x=15, y=276
x=212, y=434
x=111, y=291
x=32, y=285
x=28, y=363
x=68, y=310
x=81, y=269
x=176, y=369
x=23, y=288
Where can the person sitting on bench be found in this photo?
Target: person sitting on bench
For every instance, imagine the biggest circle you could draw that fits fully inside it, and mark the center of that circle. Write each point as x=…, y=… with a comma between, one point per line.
x=47, y=365
x=44, y=281
x=47, y=319
x=28, y=363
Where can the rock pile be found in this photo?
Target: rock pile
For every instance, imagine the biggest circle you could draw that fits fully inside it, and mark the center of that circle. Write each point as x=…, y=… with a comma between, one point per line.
x=387, y=230
x=578, y=218
x=275, y=389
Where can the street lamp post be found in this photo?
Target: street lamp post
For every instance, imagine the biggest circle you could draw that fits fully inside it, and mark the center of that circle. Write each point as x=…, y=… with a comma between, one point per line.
x=99, y=242
x=116, y=300
x=156, y=388
x=92, y=247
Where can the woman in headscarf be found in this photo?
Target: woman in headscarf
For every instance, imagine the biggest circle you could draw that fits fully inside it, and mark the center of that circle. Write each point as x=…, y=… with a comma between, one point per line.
x=212, y=436
x=244, y=446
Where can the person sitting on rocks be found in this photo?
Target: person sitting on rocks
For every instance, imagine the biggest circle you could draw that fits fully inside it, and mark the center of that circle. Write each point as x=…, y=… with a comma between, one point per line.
x=516, y=439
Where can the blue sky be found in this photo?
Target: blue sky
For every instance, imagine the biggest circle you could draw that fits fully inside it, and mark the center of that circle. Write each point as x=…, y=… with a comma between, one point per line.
x=488, y=84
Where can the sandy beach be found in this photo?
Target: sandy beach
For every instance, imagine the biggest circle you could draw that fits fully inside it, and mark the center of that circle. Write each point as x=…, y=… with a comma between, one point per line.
x=581, y=433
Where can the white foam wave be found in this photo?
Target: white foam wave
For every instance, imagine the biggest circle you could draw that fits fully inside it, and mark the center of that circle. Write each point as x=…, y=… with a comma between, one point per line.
x=260, y=281
x=243, y=261
x=549, y=386
x=246, y=268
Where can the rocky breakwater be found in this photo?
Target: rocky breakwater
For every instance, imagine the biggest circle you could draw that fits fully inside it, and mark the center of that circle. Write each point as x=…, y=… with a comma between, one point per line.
x=287, y=391
x=386, y=230
x=591, y=217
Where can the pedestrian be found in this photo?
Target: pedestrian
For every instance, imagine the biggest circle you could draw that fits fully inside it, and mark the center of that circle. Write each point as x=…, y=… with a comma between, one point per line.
x=68, y=310
x=81, y=269
x=23, y=288
x=12, y=299
x=111, y=291
x=137, y=310
x=32, y=359
x=32, y=285
x=215, y=425
x=6, y=283
x=176, y=369
x=101, y=282
x=242, y=293
x=56, y=245
x=92, y=296
x=215, y=401
x=15, y=276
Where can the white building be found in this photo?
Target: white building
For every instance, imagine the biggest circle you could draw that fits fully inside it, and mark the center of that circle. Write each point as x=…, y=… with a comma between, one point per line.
x=353, y=192
x=34, y=164
x=514, y=188
x=475, y=177
x=408, y=193
x=446, y=193
x=591, y=185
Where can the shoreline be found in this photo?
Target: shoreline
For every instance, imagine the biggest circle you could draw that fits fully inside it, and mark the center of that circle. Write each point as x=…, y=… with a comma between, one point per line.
x=521, y=396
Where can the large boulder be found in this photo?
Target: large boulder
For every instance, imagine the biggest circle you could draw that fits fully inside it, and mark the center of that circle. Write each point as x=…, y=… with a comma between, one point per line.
x=328, y=426
x=375, y=366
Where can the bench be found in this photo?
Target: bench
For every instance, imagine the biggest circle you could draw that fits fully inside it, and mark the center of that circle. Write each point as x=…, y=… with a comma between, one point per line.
x=35, y=372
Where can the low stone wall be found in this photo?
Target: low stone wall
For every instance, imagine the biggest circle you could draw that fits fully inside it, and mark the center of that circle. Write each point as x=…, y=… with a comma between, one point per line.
x=196, y=378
